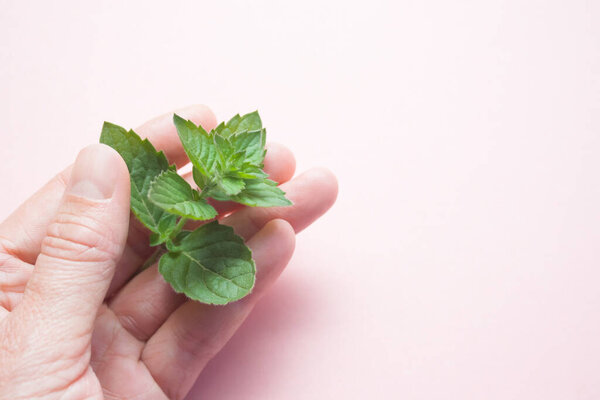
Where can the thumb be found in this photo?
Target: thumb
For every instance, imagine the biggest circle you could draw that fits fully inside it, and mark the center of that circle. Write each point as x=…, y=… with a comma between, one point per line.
x=82, y=245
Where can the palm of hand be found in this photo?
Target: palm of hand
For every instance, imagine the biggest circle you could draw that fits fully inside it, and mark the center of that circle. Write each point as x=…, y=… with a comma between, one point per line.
x=145, y=341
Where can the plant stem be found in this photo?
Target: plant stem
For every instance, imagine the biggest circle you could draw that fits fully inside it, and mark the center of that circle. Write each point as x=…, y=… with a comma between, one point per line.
x=160, y=250
x=178, y=227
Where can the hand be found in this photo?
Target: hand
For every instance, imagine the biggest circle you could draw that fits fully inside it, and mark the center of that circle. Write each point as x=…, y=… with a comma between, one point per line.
x=76, y=323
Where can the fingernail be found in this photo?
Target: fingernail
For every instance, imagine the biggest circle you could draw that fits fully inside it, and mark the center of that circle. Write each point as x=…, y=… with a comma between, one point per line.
x=94, y=175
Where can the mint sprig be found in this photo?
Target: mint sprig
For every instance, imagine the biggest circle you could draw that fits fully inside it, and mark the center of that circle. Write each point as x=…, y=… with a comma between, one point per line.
x=210, y=264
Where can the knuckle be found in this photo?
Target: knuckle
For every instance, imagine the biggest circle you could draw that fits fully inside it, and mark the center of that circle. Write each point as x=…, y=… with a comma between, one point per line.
x=138, y=319
x=81, y=237
x=197, y=344
x=132, y=325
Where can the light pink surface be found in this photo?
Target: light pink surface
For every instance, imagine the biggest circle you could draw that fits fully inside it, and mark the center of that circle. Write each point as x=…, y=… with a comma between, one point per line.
x=462, y=260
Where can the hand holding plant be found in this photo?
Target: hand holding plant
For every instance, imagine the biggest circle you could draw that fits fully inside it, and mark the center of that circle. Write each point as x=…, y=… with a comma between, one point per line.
x=210, y=264
x=78, y=319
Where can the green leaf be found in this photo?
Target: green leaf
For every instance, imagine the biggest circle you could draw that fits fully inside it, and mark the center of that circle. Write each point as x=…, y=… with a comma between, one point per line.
x=218, y=194
x=224, y=149
x=231, y=186
x=236, y=161
x=201, y=180
x=172, y=193
x=261, y=193
x=211, y=264
x=252, y=143
x=144, y=164
x=166, y=227
x=249, y=171
x=248, y=122
x=198, y=145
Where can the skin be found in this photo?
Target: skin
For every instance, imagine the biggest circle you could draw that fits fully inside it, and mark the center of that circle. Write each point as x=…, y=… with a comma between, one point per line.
x=76, y=323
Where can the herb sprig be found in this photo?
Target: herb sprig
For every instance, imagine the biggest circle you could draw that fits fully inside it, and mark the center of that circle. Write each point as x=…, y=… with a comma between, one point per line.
x=210, y=264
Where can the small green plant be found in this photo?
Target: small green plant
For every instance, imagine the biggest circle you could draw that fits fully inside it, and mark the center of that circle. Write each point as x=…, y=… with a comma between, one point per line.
x=210, y=264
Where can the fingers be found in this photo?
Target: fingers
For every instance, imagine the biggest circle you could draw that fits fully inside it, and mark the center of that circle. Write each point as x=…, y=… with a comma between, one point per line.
x=163, y=135
x=312, y=193
x=195, y=332
x=22, y=232
x=82, y=245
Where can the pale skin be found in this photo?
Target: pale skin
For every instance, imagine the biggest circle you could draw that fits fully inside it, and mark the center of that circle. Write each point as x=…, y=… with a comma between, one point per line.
x=76, y=322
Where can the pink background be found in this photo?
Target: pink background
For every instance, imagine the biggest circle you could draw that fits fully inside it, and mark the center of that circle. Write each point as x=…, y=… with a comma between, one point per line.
x=462, y=260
